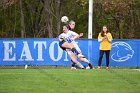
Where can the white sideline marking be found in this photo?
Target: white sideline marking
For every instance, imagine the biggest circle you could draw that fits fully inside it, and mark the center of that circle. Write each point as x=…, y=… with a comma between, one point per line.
x=137, y=70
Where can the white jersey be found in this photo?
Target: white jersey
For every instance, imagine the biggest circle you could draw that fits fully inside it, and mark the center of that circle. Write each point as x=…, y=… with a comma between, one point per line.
x=68, y=37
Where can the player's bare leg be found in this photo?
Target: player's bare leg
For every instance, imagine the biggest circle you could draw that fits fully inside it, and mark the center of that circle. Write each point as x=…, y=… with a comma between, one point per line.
x=77, y=64
x=67, y=45
x=83, y=59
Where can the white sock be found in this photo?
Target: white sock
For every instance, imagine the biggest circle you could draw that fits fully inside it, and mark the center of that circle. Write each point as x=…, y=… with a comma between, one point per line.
x=79, y=65
x=86, y=61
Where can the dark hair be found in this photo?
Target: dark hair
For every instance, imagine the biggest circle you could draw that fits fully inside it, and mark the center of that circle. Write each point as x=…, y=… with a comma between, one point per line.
x=102, y=32
x=68, y=27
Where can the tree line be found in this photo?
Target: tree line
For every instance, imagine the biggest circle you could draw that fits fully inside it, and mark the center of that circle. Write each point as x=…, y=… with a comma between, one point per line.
x=41, y=18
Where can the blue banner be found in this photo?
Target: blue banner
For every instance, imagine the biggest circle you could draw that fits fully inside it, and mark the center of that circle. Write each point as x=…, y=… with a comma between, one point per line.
x=46, y=51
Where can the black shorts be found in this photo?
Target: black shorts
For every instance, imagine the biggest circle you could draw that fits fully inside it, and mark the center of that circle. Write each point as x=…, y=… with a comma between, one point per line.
x=60, y=44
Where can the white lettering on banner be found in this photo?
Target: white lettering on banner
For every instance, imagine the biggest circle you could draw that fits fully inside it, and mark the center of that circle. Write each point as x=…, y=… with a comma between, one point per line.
x=52, y=52
x=8, y=51
x=40, y=45
x=66, y=57
x=26, y=52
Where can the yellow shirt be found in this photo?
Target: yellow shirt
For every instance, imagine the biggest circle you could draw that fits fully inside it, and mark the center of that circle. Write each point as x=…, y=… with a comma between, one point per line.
x=105, y=44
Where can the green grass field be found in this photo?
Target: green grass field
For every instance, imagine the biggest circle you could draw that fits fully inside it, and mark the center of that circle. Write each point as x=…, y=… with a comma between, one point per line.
x=69, y=81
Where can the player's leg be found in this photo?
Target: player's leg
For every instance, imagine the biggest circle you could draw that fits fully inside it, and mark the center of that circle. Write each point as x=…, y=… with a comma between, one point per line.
x=78, y=49
x=83, y=59
x=77, y=64
x=66, y=45
x=73, y=65
x=100, y=58
x=73, y=58
x=107, y=58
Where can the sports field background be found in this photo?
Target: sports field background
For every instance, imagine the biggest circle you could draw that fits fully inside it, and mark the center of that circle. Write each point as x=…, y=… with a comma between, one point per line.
x=65, y=80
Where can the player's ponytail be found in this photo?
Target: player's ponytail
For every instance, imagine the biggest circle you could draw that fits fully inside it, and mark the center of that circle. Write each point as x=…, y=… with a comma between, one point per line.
x=67, y=27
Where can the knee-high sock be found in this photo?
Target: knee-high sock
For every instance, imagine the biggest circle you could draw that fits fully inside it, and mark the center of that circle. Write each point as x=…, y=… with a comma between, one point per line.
x=73, y=64
x=79, y=65
x=89, y=64
x=86, y=61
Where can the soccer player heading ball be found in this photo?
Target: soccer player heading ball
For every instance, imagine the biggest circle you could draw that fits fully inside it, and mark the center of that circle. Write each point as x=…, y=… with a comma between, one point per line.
x=67, y=43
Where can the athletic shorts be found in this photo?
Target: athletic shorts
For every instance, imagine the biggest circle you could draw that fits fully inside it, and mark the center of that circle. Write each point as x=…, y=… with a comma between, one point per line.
x=60, y=44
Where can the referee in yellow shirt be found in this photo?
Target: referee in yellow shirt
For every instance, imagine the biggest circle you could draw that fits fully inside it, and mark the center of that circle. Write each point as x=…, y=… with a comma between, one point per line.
x=105, y=39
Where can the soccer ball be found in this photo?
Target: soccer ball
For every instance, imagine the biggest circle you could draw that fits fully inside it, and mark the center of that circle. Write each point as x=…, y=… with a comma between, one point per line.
x=64, y=19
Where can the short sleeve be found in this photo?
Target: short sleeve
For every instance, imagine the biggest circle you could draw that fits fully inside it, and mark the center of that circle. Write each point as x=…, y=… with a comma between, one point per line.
x=99, y=36
x=73, y=33
x=110, y=36
x=61, y=37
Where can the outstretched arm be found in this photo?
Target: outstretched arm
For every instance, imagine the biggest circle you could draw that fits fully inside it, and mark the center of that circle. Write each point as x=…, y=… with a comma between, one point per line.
x=77, y=36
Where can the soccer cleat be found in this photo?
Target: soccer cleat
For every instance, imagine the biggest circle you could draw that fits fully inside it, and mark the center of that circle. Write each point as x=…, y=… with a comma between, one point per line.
x=73, y=67
x=87, y=67
x=99, y=67
x=107, y=68
x=90, y=66
x=93, y=68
